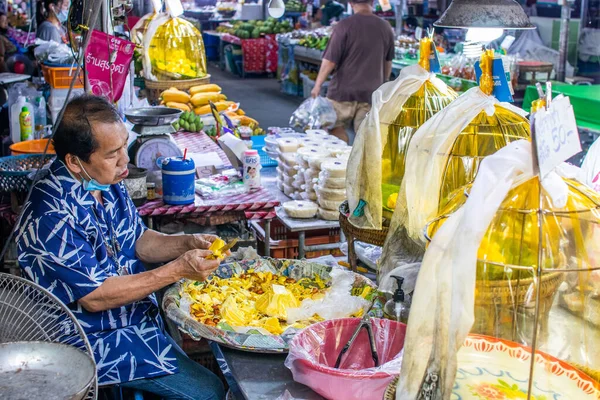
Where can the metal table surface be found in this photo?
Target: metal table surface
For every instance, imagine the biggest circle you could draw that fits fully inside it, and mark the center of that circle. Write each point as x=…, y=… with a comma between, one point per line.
x=303, y=225
x=261, y=376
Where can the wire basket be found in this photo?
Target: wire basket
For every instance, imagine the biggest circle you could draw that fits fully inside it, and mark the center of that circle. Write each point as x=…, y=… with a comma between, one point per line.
x=30, y=313
x=15, y=169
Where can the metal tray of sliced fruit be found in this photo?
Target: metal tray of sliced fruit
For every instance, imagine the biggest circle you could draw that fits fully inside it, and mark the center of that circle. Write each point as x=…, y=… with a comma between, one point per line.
x=259, y=305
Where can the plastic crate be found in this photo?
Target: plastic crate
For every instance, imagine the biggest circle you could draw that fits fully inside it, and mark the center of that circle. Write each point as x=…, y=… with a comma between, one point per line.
x=258, y=142
x=61, y=77
x=284, y=244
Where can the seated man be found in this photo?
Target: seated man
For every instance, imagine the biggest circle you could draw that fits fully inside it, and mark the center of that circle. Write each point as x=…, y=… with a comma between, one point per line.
x=81, y=238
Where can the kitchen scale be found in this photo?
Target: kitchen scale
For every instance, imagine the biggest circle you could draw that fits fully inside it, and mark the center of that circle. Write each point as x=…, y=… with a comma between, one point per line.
x=154, y=142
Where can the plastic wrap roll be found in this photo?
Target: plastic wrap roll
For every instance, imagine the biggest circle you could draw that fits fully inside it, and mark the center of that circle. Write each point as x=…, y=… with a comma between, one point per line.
x=316, y=162
x=301, y=209
x=328, y=215
x=332, y=205
x=330, y=194
x=335, y=144
x=288, y=145
x=335, y=169
x=331, y=183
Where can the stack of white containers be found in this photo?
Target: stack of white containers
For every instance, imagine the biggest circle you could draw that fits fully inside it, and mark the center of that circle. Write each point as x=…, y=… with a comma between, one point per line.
x=313, y=168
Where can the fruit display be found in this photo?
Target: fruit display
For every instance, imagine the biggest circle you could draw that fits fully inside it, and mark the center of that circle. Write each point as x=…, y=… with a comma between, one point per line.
x=256, y=29
x=295, y=6
x=189, y=122
x=315, y=40
x=196, y=103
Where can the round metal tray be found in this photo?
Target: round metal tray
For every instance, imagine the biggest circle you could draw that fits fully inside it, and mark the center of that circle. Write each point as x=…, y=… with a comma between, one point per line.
x=44, y=370
x=152, y=116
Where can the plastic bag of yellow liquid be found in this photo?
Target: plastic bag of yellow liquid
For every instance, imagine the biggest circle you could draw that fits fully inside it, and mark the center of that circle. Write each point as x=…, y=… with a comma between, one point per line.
x=481, y=275
x=174, y=50
x=444, y=155
x=376, y=164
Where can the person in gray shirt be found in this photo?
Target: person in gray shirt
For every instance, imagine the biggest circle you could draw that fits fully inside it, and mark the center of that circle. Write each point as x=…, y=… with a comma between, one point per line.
x=52, y=14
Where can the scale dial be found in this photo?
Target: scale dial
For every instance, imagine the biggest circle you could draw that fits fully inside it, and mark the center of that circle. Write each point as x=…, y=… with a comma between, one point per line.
x=152, y=151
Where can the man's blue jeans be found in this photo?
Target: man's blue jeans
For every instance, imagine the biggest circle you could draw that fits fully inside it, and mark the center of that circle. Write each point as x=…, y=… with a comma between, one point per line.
x=193, y=382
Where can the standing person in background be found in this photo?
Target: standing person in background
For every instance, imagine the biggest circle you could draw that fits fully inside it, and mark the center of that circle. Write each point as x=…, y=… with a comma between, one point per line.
x=52, y=14
x=7, y=48
x=359, y=54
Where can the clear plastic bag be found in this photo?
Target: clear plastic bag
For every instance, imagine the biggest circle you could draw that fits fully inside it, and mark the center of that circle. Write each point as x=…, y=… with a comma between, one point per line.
x=317, y=113
x=314, y=351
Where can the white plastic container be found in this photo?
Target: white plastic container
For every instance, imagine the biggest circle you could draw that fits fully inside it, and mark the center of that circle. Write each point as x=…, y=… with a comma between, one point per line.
x=251, y=170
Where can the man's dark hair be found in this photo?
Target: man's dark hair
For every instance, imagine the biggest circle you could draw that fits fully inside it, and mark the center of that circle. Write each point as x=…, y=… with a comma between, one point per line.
x=74, y=135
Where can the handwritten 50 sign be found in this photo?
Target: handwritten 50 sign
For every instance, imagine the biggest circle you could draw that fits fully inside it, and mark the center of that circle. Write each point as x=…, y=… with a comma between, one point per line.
x=556, y=133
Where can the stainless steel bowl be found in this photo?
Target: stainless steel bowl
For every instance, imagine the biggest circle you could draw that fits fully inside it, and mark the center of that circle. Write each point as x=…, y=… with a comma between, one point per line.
x=44, y=370
x=152, y=116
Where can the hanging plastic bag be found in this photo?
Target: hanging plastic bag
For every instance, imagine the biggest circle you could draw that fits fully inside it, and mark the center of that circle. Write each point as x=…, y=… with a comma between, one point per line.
x=317, y=113
x=376, y=164
x=590, y=169
x=446, y=281
x=173, y=49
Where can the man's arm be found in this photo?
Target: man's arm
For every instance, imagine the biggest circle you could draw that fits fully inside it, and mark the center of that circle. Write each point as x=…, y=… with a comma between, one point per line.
x=388, y=70
x=118, y=291
x=326, y=69
x=156, y=247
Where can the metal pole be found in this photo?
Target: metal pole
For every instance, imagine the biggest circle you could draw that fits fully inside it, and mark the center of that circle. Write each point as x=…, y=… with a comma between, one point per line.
x=563, y=44
x=399, y=13
x=583, y=15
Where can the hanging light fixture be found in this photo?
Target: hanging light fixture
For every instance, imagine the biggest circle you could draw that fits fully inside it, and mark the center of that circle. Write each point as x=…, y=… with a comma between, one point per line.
x=505, y=14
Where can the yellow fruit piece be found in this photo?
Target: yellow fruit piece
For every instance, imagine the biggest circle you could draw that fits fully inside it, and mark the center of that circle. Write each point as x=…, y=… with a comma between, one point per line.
x=247, y=121
x=175, y=95
x=203, y=110
x=179, y=106
x=202, y=99
x=272, y=325
x=276, y=301
x=392, y=200
x=241, y=112
x=210, y=88
x=216, y=247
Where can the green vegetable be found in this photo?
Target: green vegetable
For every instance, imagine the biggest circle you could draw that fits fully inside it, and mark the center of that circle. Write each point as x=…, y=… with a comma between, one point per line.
x=176, y=125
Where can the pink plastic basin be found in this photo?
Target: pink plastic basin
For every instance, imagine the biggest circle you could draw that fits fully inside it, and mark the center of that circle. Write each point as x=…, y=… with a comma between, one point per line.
x=314, y=351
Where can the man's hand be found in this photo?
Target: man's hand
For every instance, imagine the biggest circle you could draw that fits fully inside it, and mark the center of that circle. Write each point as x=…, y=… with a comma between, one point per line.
x=316, y=92
x=193, y=265
x=200, y=241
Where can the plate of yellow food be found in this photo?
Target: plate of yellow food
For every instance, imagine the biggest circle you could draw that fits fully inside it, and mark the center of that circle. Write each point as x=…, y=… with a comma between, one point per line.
x=260, y=305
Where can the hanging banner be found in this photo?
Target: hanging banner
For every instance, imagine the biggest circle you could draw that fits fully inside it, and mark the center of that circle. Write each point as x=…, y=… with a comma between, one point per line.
x=107, y=64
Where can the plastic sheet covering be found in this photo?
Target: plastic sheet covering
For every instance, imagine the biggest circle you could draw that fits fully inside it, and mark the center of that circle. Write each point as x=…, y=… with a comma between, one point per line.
x=444, y=155
x=446, y=151
x=140, y=28
x=173, y=50
x=480, y=273
x=313, y=354
x=376, y=164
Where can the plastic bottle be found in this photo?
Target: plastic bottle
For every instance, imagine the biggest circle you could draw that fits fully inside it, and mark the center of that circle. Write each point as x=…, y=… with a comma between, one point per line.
x=251, y=173
x=40, y=117
x=397, y=308
x=15, y=111
x=26, y=124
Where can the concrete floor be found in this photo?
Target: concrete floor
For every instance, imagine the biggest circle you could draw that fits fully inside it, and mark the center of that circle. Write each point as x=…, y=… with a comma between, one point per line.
x=258, y=95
